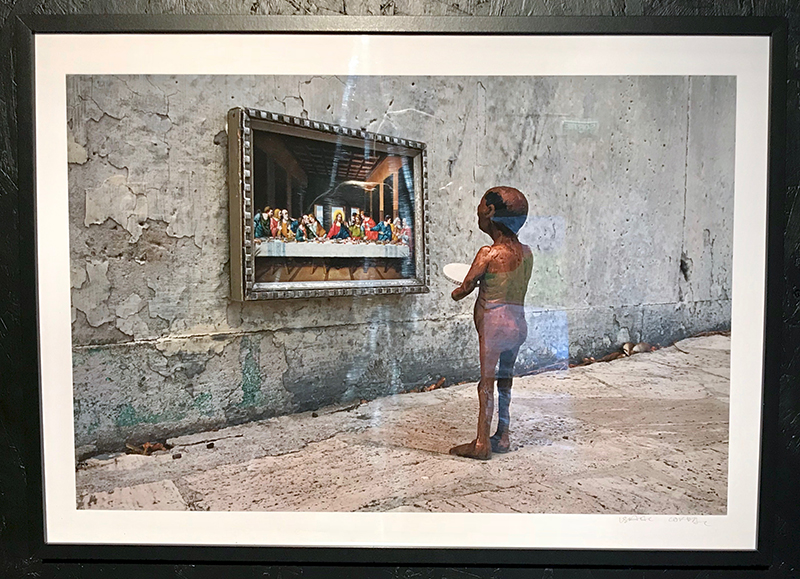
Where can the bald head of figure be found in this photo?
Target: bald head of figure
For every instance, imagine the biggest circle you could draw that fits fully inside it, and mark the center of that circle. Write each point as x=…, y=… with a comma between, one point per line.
x=510, y=207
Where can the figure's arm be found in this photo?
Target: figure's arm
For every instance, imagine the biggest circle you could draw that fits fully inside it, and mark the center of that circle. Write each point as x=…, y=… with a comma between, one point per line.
x=475, y=273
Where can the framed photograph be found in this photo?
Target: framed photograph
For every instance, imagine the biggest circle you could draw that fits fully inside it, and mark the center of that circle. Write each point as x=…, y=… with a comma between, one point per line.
x=271, y=259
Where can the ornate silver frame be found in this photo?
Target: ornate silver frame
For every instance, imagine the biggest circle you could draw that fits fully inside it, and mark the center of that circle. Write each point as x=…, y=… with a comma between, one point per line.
x=244, y=287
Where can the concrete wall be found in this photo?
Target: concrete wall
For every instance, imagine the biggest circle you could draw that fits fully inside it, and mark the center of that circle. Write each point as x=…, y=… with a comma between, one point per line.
x=631, y=194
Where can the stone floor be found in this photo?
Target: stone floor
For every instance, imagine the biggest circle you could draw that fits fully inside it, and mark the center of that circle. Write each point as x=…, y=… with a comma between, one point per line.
x=646, y=434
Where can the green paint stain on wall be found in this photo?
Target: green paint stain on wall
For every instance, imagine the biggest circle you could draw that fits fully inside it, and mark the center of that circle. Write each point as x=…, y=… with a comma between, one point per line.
x=203, y=403
x=128, y=416
x=251, y=375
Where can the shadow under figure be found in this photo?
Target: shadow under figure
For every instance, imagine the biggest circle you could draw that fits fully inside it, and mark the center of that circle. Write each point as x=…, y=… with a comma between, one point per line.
x=501, y=272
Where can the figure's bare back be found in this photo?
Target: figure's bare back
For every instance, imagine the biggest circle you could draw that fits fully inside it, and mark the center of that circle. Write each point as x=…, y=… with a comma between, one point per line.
x=505, y=257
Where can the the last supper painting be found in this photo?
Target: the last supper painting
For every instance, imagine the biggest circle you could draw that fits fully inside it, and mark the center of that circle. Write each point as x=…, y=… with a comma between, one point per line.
x=322, y=209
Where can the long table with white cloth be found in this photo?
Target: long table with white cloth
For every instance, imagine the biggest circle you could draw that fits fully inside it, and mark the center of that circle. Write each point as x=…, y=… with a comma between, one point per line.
x=312, y=249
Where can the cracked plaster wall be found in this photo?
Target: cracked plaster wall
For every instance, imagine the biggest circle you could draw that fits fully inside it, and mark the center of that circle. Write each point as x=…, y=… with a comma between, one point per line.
x=630, y=187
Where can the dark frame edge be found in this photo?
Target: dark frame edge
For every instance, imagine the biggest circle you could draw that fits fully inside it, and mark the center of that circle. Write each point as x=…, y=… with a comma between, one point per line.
x=410, y=25
x=774, y=289
x=28, y=347
x=434, y=557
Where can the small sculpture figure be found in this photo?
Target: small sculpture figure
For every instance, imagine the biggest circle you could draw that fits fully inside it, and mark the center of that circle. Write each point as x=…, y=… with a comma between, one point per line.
x=502, y=272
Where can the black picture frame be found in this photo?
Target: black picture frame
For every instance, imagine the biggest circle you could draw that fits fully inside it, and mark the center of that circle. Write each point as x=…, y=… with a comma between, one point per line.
x=31, y=25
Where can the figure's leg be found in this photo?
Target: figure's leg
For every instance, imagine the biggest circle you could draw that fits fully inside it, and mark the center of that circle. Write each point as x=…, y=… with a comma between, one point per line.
x=481, y=447
x=505, y=375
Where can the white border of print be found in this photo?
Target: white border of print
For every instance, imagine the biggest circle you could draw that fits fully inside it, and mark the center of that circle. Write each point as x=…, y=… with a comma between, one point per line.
x=747, y=58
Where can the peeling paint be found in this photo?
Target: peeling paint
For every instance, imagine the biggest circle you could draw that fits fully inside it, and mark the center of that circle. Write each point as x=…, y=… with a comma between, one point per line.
x=166, y=303
x=127, y=319
x=133, y=326
x=92, y=297
x=77, y=275
x=76, y=153
x=115, y=199
x=130, y=306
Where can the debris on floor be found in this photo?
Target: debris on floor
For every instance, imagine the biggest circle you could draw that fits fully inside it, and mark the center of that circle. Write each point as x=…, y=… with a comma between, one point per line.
x=627, y=349
x=147, y=448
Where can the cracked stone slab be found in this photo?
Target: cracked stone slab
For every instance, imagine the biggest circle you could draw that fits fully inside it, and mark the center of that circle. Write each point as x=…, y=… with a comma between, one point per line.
x=355, y=477
x=631, y=488
x=272, y=437
x=638, y=376
x=157, y=496
x=574, y=382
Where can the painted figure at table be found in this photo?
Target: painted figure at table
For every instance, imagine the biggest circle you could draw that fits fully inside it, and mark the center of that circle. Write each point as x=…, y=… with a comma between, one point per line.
x=299, y=229
x=339, y=228
x=310, y=230
x=285, y=227
x=316, y=227
x=261, y=227
x=501, y=272
x=405, y=233
x=397, y=228
x=307, y=233
x=275, y=222
x=356, y=231
x=257, y=229
x=384, y=229
x=368, y=223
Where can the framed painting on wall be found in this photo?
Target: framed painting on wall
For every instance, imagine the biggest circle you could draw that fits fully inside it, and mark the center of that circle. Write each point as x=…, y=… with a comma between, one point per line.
x=285, y=171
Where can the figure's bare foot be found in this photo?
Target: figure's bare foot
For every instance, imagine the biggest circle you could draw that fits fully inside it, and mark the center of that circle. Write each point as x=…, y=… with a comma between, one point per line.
x=473, y=450
x=500, y=442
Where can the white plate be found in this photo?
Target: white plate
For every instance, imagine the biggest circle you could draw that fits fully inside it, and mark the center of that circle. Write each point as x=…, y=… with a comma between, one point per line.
x=456, y=272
